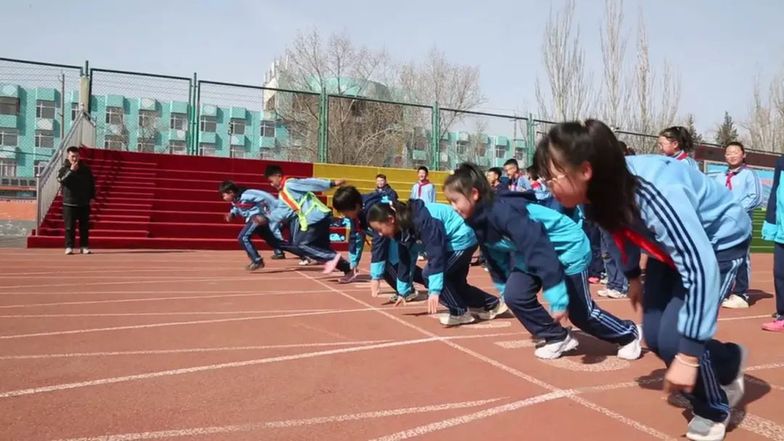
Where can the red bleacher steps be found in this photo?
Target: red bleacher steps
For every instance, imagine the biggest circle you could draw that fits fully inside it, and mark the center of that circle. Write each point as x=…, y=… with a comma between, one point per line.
x=150, y=201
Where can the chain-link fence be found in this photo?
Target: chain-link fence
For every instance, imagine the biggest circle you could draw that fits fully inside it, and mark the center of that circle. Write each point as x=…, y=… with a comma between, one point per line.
x=242, y=121
x=141, y=112
x=485, y=139
x=38, y=103
x=381, y=133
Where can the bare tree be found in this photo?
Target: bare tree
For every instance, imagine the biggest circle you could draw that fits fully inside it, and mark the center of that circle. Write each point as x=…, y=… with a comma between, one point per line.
x=363, y=131
x=648, y=114
x=765, y=126
x=614, y=99
x=569, y=85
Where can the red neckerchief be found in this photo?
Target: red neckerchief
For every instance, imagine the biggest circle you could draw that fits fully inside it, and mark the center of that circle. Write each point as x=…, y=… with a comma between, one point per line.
x=681, y=156
x=731, y=174
x=626, y=234
x=419, y=189
x=535, y=185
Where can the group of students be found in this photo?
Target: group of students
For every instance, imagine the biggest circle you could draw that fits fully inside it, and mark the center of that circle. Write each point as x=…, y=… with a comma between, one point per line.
x=695, y=233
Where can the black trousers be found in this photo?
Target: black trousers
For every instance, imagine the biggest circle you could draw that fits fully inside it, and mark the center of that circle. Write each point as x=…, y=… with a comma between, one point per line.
x=71, y=215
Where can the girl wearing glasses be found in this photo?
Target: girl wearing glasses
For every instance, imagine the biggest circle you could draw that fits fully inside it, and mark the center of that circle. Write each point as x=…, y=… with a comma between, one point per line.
x=529, y=247
x=696, y=236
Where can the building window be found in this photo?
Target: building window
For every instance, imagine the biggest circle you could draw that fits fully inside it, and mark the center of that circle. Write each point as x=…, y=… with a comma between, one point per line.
x=177, y=147
x=268, y=129
x=206, y=149
x=500, y=152
x=237, y=126
x=178, y=121
x=8, y=167
x=208, y=123
x=518, y=154
x=148, y=119
x=114, y=115
x=237, y=151
x=40, y=165
x=8, y=137
x=9, y=105
x=114, y=142
x=75, y=111
x=44, y=139
x=146, y=145
x=460, y=148
x=44, y=109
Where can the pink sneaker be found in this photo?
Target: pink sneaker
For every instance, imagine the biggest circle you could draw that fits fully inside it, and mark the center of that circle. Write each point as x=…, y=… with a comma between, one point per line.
x=331, y=264
x=593, y=280
x=774, y=326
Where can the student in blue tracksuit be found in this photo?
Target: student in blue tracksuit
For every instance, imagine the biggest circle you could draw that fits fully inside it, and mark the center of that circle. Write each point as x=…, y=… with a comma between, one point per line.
x=384, y=261
x=529, y=247
x=310, y=231
x=383, y=187
x=773, y=230
x=676, y=142
x=255, y=207
x=449, y=244
x=745, y=186
x=696, y=236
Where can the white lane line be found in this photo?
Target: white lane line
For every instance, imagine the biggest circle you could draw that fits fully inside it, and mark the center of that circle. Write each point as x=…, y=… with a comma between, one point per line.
x=590, y=405
x=185, y=323
x=257, y=278
x=201, y=431
x=160, y=299
x=464, y=419
x=195, y=290
x=222, y=349
x=210, y=367
x=158, y=314
x=186, y=350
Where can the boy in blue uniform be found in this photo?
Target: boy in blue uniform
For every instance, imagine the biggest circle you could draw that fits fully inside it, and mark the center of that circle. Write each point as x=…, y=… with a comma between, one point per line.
x=254, y=206
x=773, y=230
x=384, y=260
x=311, y=227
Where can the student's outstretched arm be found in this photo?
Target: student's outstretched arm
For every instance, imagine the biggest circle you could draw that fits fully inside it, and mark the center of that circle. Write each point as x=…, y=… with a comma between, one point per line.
x=305, y=185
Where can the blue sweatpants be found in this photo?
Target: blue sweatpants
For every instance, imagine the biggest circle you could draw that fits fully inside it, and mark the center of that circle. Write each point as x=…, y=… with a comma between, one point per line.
x=314, y=243
x=266, y=234
x=612, y=258
x=778, y=278
x=520, y=295
x=457, y=295
x=390, y=276
x=663, y=299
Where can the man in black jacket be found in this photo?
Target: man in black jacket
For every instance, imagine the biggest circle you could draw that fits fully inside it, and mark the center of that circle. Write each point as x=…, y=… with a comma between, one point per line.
x=78, y=188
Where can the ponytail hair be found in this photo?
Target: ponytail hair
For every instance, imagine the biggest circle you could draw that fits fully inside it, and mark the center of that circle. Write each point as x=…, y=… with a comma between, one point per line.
x=612, y=186
x=680, y=135
x=382, y=211
x=466, y=177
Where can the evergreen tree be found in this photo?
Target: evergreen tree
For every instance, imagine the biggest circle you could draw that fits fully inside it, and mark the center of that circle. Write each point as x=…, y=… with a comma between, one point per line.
x=726, y=133
x=693, y=130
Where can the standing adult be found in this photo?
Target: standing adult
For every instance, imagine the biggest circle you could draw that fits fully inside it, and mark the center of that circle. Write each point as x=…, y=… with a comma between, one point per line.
x=745, y=186
x=78, y=189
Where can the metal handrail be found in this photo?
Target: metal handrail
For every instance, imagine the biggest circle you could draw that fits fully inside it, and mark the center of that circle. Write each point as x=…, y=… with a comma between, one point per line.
x=82, y=132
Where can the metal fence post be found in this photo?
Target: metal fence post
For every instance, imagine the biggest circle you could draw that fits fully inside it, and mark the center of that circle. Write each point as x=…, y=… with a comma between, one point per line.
x=531, y=135
x=323, y=132
x=435, y=137
x=196, y=111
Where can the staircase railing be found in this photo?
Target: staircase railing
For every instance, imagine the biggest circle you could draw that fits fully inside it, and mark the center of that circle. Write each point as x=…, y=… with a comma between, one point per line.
x=82, y=132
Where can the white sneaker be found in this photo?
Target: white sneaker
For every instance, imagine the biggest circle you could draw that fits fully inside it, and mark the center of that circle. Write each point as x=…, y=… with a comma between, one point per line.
x=602, y=292
x=68, y=251
x=633, y=349
x=703, y=429
x=737, y=388
x=554, y=349
x=482, y=314
x=456, y=320
x=615, y=294
x=735, y=301
x=86, y=251
x=305, y=261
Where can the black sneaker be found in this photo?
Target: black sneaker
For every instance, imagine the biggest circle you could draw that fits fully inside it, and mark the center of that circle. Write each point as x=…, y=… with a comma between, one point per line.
x=255, y=265
x=278, y=256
